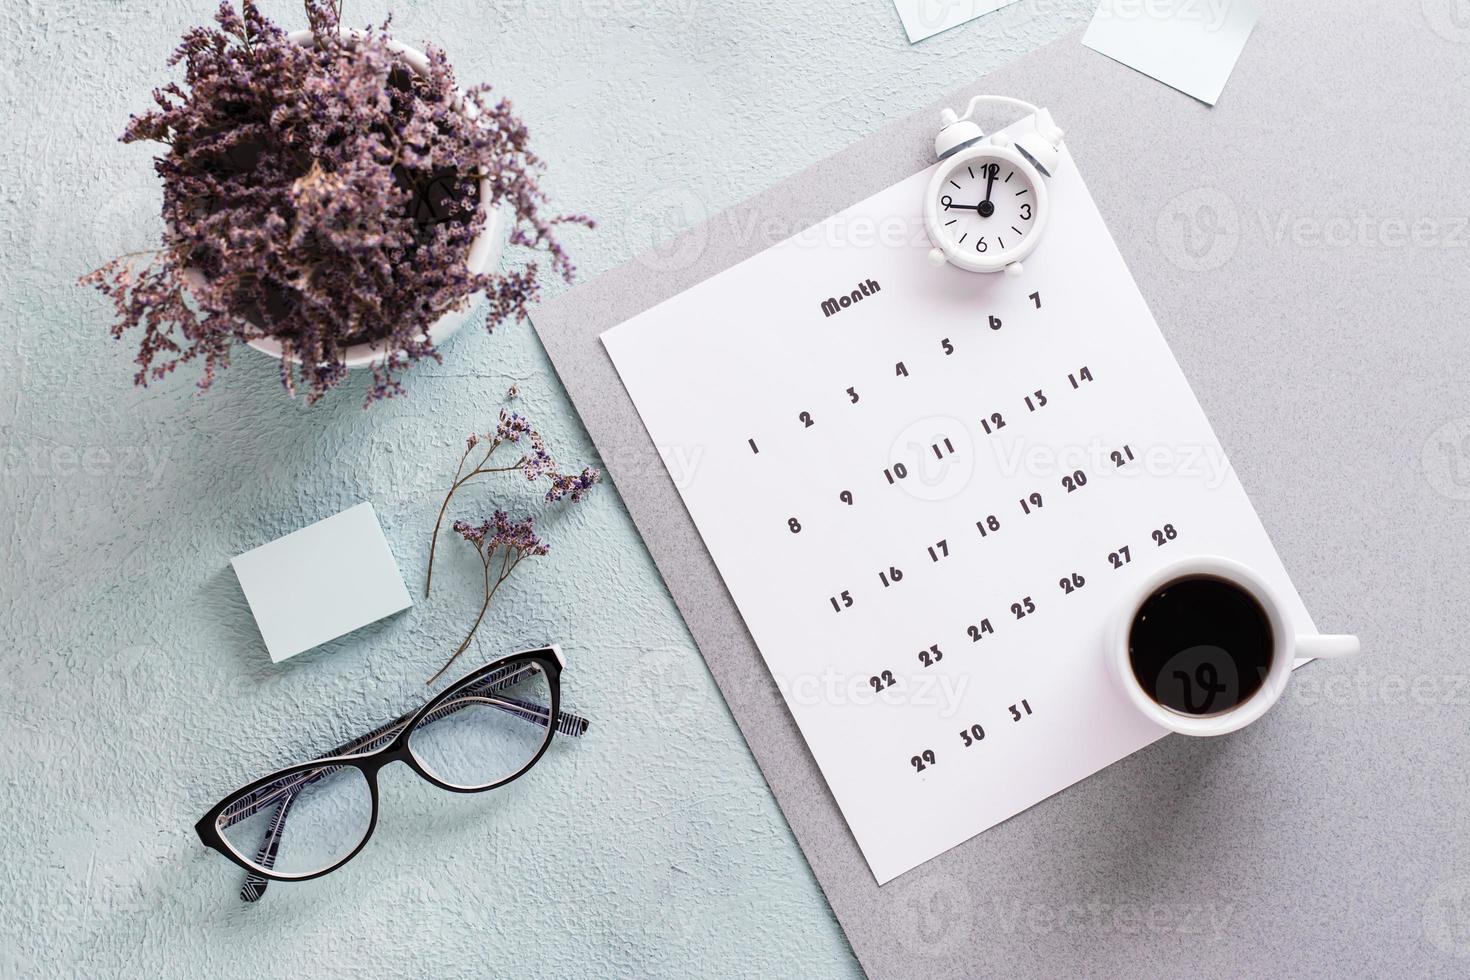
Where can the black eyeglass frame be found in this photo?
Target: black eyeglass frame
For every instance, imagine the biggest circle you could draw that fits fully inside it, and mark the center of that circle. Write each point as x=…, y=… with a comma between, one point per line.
x=549, y=659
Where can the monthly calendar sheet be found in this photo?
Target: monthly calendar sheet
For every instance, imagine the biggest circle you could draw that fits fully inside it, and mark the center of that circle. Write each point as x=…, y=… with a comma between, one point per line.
x=928, y=491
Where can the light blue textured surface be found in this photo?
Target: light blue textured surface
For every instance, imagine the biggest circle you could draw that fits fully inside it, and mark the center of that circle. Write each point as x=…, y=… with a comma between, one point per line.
x=137, y=688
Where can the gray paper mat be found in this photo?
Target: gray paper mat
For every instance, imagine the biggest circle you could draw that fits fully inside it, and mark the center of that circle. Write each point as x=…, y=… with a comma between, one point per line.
x=1304, y=248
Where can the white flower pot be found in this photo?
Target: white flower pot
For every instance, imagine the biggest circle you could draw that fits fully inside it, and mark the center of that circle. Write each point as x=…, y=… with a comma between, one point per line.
x=484, y=254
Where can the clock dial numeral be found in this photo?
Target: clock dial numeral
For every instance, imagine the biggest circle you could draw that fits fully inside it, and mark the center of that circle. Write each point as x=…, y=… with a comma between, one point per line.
x=978, y=216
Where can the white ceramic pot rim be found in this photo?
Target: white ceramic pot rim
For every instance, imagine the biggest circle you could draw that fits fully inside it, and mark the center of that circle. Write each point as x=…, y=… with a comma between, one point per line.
x=484, y=251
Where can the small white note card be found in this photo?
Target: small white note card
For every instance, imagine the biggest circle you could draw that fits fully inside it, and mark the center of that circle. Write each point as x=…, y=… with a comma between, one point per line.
x=925, y=18
x=321, y=582
x=1190, y=45
x=928, y=491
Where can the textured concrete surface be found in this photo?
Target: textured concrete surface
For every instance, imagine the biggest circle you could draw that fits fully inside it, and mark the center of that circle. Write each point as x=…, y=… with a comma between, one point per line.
x=136, y=687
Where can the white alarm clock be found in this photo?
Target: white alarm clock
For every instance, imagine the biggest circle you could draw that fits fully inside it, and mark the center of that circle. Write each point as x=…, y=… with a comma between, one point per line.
x=987, y=207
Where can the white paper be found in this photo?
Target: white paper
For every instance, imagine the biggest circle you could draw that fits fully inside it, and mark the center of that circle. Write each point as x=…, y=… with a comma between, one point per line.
x=749, y=355
x=321, y=582
x=1191, y=45
x=925, y=18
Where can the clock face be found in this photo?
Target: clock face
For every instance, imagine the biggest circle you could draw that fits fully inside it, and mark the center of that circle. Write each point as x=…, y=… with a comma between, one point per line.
x=987, y=207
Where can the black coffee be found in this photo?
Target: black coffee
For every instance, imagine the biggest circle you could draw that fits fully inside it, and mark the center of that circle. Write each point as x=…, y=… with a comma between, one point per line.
x=1200, y=645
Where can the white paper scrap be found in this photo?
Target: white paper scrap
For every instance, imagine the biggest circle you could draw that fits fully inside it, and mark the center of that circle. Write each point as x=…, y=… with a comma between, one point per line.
x=321, y=582
x=1190, y=45
x=925, y=18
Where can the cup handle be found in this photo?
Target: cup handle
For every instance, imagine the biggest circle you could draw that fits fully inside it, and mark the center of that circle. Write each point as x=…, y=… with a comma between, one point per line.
x=1326, y=645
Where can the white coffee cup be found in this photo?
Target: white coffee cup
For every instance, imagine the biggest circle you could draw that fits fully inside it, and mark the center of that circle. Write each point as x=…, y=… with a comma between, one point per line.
x=1287, y=647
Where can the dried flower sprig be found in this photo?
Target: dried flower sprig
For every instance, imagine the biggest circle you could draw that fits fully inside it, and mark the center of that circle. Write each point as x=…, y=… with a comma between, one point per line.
x=535, y=462
x=513, y=542
x=323, y=195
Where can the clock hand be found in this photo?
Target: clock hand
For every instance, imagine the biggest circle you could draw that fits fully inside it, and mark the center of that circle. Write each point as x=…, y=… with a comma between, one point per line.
x=962, y=207
x=986, y=208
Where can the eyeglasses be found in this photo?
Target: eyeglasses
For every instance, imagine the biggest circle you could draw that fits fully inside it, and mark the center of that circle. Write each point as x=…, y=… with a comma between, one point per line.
x=485, y=730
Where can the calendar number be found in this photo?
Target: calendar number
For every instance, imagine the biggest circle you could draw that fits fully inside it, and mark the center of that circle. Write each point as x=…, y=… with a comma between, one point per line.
x=923, y=760
x=995, y=423
x=931, y=656
x=852, y=393
x=987, y=526
x=841, y=601
x=794, y=524
x=1030, y=503
x=1083, y=374
x=1120, y=557
x=948, y=347
x=1075, y=481
x=898, y=472
x=971, y=735
x=891, y=576
x=1035, y=400
x=900, y=371
x=846, y=497
x=1020, y=711
x=1164, y=535
x=1023, y=608
x=881, y=681
x=1121, y=457
x=976, y=632
x=806, y=419
x=939, y=549
x=1071, y=583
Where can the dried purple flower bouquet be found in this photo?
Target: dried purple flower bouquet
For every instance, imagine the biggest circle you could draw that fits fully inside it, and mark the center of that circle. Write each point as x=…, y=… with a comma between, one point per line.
x=503, y=543
x=323, y=196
